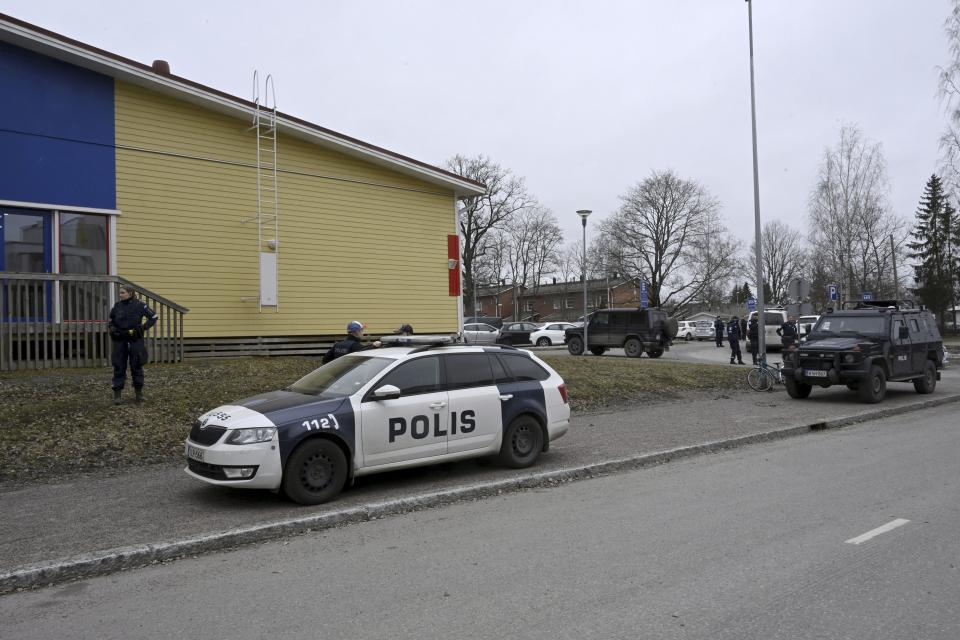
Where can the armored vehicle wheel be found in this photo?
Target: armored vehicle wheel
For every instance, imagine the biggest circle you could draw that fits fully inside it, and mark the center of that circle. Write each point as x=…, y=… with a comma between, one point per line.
x=522, y=442
x=928, y=382
x=797, y=390
x=655, y=353
x=633, y=347
x=598, y=351
x=315, y=472
x=873, y=389
x=575, y=345
x=543, y=342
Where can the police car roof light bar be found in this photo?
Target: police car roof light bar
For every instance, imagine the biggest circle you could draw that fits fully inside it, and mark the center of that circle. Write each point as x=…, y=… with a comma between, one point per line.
x=409, y=341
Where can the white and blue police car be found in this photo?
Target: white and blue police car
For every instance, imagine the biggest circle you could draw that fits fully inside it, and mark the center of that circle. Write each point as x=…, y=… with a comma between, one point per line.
x=426, y=402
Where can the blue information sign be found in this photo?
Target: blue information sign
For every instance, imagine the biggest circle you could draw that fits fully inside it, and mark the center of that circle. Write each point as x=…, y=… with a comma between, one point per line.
x=866, y=295
x=644, y=298
x=832, y=290
x=751, y=304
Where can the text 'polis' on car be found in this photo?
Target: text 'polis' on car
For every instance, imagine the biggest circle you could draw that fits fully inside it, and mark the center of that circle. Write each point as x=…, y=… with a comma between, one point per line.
x=424, y=400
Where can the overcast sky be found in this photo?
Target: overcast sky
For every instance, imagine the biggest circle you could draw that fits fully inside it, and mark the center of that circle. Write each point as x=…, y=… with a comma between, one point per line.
x=583, y=99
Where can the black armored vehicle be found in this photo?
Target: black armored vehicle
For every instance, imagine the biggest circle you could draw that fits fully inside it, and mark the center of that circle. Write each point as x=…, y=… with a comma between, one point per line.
x=864, y=345
x=638, y=331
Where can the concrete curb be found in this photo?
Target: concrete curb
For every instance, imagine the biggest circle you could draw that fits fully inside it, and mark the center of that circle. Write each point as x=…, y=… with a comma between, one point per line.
x=121, y=558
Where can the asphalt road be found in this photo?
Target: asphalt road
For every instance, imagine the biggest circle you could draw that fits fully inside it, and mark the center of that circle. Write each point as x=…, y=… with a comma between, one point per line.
x=749, y=543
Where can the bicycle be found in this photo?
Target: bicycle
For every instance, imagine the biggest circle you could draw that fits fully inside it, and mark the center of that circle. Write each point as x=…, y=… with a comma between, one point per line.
x=764, y=376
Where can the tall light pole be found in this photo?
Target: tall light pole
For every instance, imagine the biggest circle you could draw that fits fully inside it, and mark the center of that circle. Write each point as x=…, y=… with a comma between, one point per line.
x=583, y=213
x=761, y=329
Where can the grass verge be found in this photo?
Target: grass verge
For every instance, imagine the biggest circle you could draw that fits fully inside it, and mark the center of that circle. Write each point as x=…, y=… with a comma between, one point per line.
x=64, y=421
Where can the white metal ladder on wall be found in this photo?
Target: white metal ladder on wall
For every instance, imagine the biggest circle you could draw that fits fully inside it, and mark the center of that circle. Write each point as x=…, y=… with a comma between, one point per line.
x=268, y=198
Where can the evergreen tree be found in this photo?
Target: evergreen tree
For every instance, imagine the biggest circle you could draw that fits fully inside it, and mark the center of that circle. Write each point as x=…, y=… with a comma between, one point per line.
x=735, y=295
x=745, y=291
x=934, y=247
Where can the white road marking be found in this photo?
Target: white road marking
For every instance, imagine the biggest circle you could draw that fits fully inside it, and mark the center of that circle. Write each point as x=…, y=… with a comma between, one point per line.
x=890, y=526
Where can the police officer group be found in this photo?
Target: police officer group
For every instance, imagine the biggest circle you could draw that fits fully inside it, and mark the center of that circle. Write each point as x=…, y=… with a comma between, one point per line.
x=787, y=331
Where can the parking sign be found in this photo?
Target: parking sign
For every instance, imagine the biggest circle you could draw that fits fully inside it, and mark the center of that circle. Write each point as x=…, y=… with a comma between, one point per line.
x=751, y=304
x=644, y=298
x=832, y=289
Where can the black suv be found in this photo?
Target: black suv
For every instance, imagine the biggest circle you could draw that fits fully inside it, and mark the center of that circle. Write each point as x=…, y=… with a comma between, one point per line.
x=636, y=330
x=864, y=347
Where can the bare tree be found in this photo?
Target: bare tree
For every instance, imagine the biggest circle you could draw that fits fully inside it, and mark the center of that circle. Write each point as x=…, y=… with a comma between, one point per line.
x=783, y=258
x=534, y=238
x=850, y=221
x=949, y=92
x=506, y=194
x=660, y=233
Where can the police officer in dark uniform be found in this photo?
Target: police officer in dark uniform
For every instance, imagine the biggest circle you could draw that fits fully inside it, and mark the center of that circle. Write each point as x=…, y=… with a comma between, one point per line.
x=733, y=337
x=126, y=330
x=788, y=332
x=718, y=330
x=753, y=334
x=350, y=344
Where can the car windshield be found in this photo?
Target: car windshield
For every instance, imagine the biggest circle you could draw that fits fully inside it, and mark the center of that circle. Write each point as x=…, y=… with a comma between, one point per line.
x=342, y=377
x=851, y=325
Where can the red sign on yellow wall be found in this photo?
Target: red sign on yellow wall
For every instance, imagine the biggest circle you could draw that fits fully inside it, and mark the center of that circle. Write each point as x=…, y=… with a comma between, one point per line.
x=453, y=263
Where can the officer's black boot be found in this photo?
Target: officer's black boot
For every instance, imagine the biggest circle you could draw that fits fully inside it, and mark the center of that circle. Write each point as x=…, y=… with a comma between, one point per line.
x=116, y=397
x=139, y=392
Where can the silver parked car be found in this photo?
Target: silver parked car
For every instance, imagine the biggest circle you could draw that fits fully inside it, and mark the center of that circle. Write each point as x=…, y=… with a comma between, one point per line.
x=480, y=333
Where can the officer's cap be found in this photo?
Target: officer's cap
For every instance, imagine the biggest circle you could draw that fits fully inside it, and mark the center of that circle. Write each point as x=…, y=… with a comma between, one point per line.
x=353, y=326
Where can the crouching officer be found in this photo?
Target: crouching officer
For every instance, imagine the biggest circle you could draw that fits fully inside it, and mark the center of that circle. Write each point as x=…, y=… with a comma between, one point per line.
x=126, y=330
x=733, y=337
x=350, y=344
x=788, y=332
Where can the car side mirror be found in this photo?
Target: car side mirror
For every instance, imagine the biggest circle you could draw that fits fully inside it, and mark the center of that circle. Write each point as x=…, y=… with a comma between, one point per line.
x=904, y=333
x=387, y=392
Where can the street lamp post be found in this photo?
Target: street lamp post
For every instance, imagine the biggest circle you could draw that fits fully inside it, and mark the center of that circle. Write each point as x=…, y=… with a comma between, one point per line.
x=761, y=333
x=583, y=213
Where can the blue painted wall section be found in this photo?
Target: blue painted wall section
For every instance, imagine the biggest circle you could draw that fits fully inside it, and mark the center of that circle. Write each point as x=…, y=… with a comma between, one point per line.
x=56, y=132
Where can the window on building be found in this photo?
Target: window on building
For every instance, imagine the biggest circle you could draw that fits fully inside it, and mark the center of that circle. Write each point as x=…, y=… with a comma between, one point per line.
x=528, y=305
x=83, y=244
x=556, y=303
x=569, y=302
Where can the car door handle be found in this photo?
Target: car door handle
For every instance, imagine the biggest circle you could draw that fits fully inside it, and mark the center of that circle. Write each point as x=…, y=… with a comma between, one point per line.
x=506, y=396
x=437, y=405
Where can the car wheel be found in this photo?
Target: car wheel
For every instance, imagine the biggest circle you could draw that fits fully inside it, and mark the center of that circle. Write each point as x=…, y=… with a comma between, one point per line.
x=575, y=346
x=873, y=389
x=797, y=390
x=655, y=353
x=543, y=342
x=928, y=382
x=522, y=442
x=315, y=472
x=633, y=348
x=688, y=337
x=598, y=351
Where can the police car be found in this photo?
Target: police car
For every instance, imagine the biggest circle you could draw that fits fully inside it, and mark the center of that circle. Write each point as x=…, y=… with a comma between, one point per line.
x=399, y=406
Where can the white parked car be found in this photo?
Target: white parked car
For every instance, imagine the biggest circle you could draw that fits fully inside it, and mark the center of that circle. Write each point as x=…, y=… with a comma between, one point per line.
x=480, y=333
x=687, y=330
x=552, y=333
x=773, y=318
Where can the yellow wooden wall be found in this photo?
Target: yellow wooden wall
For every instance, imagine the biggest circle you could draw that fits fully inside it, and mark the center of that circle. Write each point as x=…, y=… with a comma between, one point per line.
x=357, y=241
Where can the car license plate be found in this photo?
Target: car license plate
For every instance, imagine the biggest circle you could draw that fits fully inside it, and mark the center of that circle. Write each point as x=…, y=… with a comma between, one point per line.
x=813, y=373
x=195, y=454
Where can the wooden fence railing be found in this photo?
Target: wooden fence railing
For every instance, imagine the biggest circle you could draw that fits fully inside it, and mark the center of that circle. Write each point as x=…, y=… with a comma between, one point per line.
x=50, y=320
